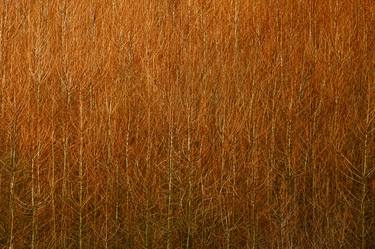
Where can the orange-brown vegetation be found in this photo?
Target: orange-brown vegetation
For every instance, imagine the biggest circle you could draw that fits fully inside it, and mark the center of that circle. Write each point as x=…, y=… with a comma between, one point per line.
x=187, y=124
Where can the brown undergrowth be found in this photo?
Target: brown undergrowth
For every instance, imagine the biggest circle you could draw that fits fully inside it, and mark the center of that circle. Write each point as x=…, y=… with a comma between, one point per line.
x=187, y=124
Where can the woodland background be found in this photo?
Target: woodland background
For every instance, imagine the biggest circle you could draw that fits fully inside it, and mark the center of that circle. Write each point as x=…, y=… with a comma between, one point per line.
x=187, y=124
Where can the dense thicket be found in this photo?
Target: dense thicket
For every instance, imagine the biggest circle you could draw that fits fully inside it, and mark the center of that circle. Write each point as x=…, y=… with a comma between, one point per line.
x=187, y=124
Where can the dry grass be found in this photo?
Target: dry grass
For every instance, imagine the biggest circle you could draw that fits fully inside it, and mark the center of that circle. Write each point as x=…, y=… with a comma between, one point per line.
x=187, y=124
